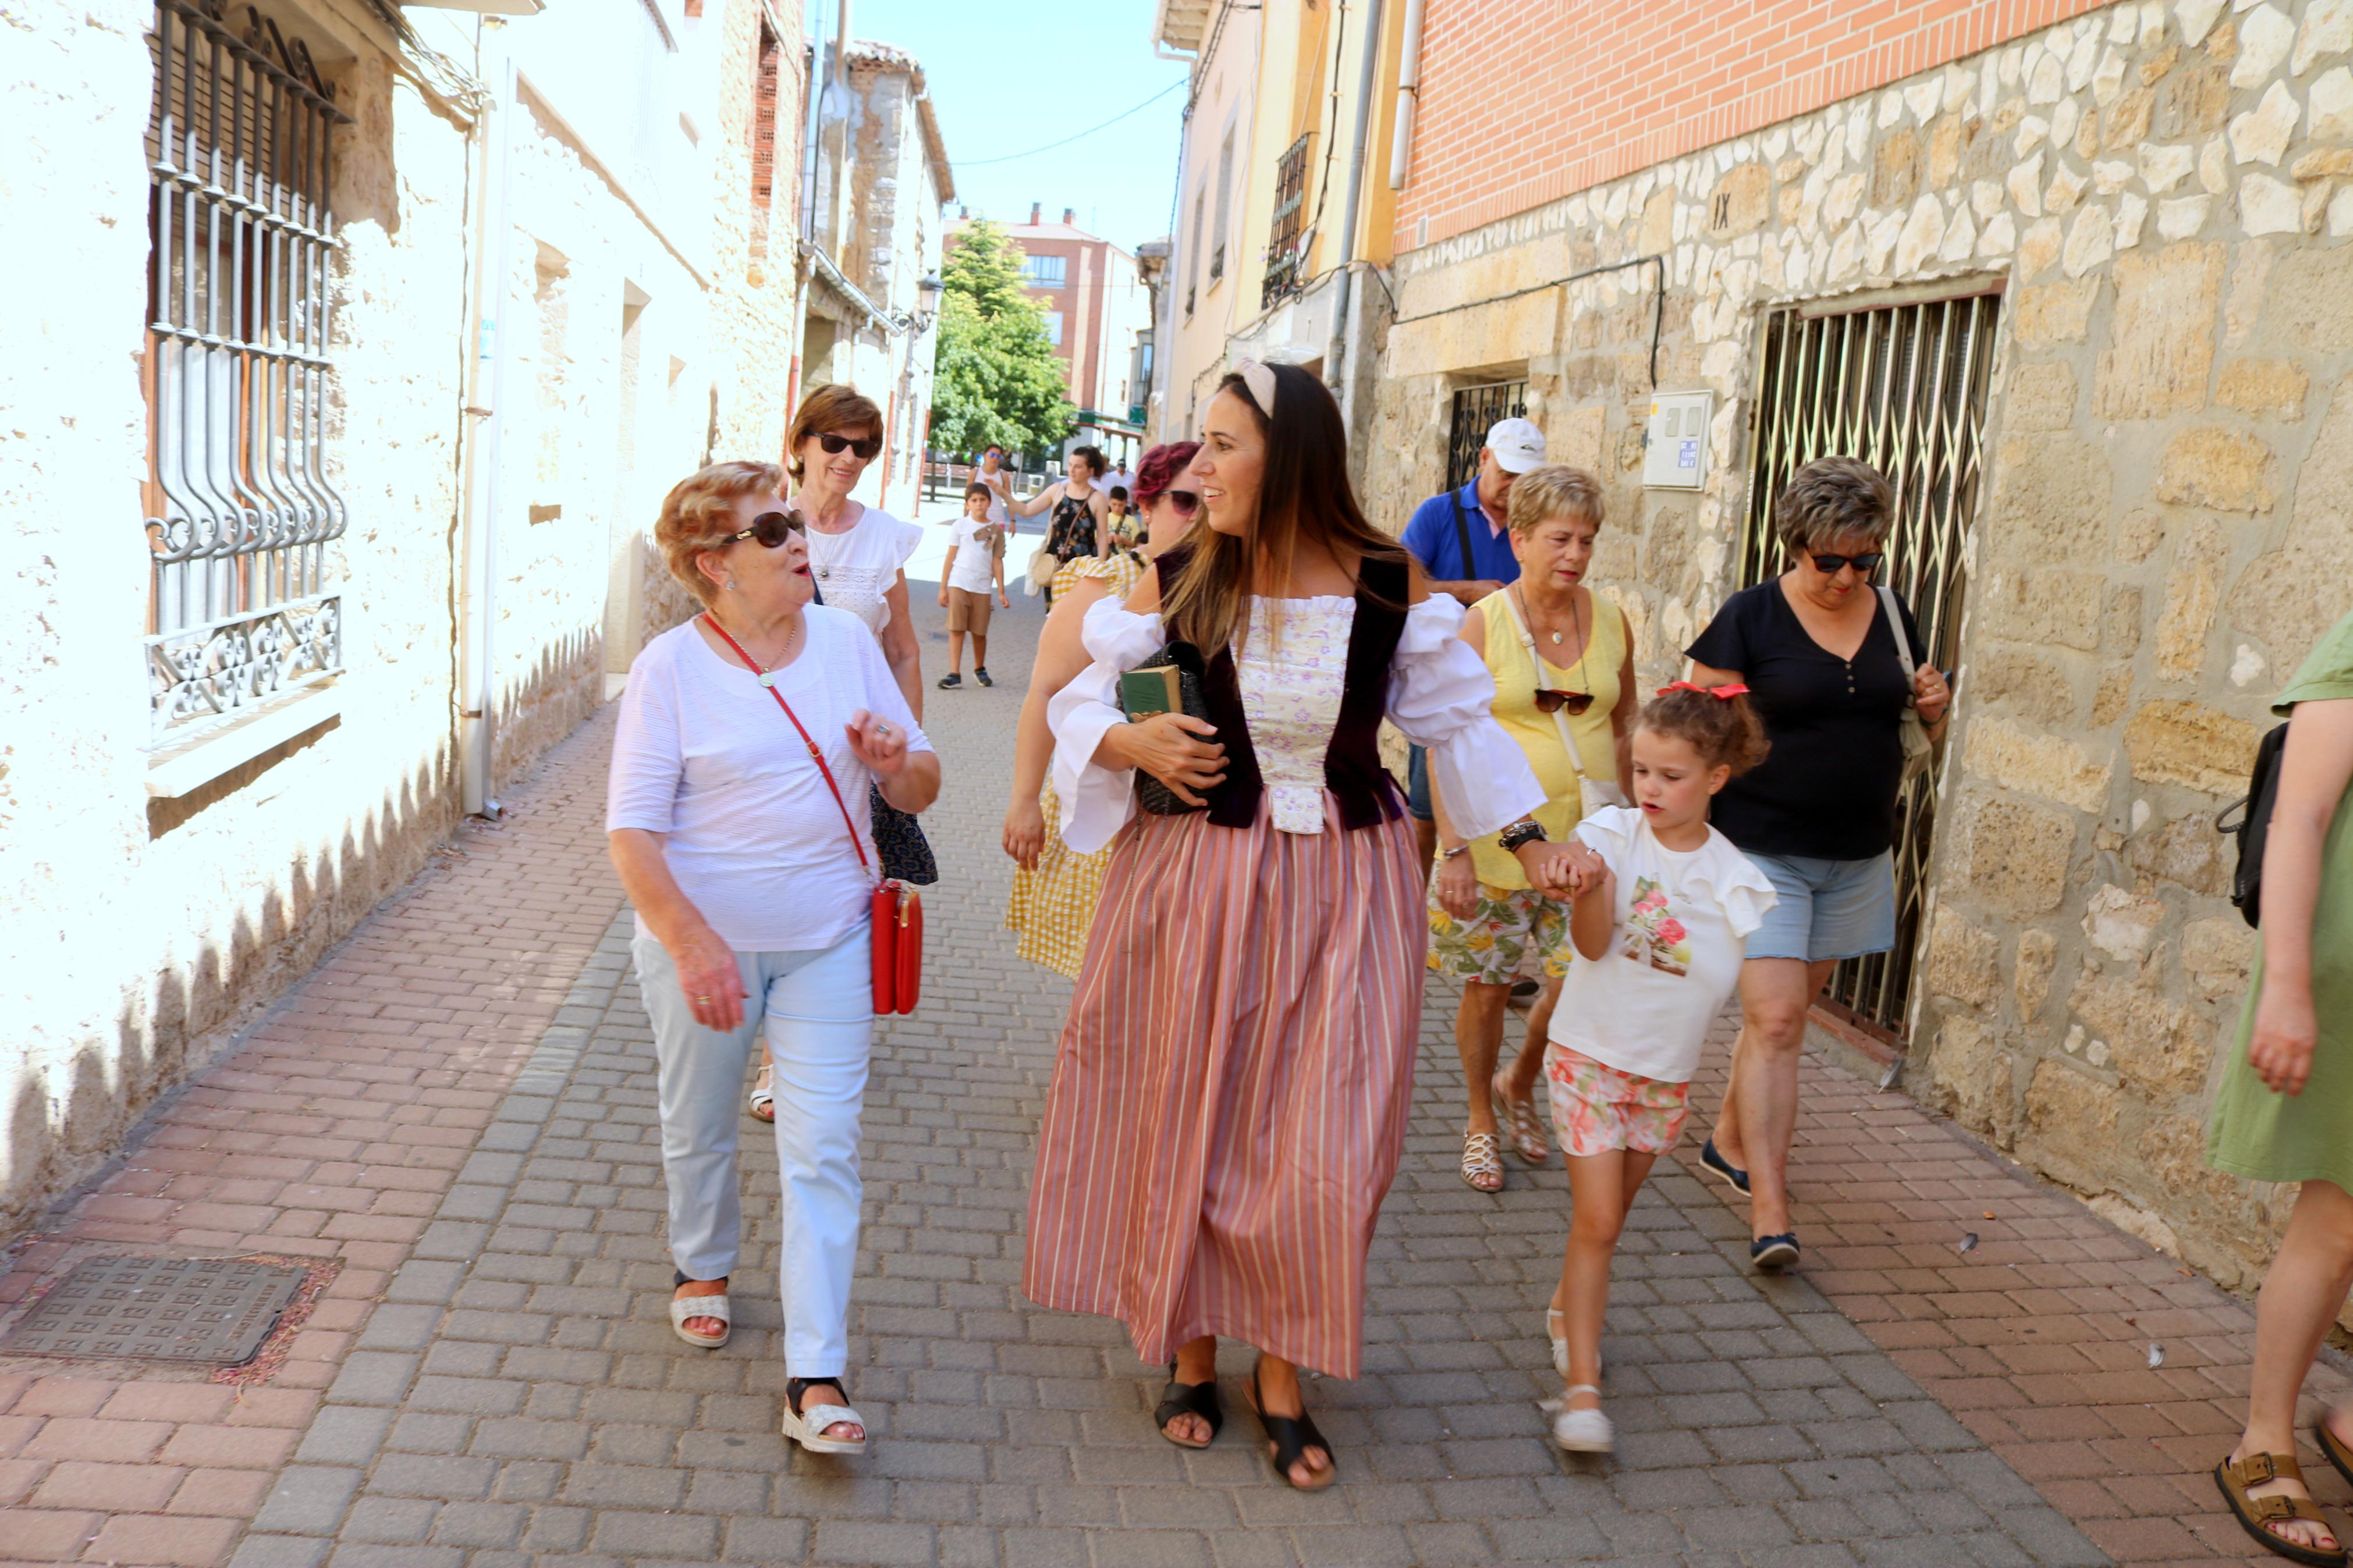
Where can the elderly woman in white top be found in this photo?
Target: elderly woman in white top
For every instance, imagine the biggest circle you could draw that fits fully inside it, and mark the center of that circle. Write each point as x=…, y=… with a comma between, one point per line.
x=1230, y=1092
x=753, y=905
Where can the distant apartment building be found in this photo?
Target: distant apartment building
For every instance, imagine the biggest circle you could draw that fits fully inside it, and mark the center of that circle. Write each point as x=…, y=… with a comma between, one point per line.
x=1099, y=317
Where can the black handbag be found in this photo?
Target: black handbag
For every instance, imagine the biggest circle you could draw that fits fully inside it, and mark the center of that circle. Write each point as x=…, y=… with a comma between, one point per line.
x=1151, y=794
x=899, y=843
x=2254, y=828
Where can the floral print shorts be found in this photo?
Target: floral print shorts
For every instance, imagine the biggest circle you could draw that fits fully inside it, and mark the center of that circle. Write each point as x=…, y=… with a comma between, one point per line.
x=1509, y=928
x=1595, y=1108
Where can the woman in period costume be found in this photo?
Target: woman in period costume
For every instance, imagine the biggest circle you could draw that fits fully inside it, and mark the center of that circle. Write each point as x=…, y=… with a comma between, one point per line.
x=1230, y=1092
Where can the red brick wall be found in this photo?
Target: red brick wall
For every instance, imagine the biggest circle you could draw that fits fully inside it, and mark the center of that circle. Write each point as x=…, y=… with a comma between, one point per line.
x=1523, y=104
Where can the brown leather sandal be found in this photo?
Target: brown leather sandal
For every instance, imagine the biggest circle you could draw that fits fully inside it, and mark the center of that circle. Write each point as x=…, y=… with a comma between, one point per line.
x=2256, y=1515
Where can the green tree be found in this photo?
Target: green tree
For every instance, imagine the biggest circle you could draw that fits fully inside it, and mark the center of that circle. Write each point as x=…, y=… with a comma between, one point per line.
x=995, y=378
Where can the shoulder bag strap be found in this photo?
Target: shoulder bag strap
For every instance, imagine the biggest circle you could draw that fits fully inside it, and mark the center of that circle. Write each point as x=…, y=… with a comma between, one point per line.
x=1462, y=531
x=816, y=756
x=1535, y=667
x=1896, y=626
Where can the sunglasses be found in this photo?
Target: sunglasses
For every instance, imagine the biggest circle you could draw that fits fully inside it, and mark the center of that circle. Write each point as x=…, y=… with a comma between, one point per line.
x=866, y=447
x=1185, y=502
x=1865, y=564
x=1574, y=703
x=772, y=529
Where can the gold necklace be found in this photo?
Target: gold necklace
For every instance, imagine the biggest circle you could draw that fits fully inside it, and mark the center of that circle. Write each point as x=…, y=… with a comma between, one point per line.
x=1576, y=622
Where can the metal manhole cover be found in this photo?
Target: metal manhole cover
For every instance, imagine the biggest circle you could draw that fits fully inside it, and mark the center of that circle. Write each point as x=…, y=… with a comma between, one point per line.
x=211, y=1310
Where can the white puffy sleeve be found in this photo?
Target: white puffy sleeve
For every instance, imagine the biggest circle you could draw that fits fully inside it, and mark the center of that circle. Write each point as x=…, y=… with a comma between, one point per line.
x=1440, y=696
x=1097, y=802
x=1744, y=890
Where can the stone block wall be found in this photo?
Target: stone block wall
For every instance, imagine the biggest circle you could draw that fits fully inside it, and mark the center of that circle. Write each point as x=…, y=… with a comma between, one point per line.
x=2165, y=525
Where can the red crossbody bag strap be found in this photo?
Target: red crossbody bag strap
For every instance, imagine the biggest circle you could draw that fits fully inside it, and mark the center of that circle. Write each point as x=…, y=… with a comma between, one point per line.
x=897, y=929
x=816, y=756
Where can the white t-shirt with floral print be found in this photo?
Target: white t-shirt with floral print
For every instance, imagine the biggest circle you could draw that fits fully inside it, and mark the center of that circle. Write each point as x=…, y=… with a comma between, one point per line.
x=1683, y=923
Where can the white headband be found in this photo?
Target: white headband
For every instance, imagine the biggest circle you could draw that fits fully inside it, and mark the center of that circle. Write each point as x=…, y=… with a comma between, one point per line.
x=1259, y=381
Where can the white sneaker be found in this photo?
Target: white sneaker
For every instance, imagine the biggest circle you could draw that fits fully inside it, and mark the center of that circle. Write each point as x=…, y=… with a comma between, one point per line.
x=1581, y=1431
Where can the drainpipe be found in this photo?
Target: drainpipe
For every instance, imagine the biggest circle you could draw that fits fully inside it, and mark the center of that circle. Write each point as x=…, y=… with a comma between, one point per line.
x=1409, y=95
x=478, y=680
x=1337, y=372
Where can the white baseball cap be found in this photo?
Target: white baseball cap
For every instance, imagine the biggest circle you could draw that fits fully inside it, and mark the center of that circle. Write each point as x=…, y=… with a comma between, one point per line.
x=1518, y=444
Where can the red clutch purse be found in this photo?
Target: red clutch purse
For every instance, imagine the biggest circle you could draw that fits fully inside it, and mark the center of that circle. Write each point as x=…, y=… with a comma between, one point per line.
x=898, y=909
x=898, y=948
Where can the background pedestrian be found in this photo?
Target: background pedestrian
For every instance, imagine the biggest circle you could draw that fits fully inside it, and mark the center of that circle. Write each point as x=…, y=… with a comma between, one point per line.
x=2283, y=1111
x=1563, y=671
x=857, y=551
x=1052, y=904
x=1817, y=649
x=752, y=903
x=1462, y=542
x=971, y=583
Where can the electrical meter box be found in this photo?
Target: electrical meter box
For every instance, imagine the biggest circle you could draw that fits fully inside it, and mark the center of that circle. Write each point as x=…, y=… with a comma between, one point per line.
x=1674, y=443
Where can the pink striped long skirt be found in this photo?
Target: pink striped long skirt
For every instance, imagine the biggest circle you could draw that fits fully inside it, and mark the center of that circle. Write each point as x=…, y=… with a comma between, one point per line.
x=1231, y=1092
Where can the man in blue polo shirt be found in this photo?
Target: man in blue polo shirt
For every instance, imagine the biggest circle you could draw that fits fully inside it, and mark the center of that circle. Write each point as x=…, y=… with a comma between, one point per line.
x=1461, y=541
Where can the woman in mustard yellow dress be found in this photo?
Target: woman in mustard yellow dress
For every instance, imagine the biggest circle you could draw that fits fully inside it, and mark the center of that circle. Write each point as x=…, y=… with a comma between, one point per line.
x=1052, y=904
x=1563, y=663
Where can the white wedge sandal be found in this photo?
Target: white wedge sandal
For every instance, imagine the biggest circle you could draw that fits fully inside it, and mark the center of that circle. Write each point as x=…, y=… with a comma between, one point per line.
x=681, y=1308
x=808, y=1427
x=1581, y=1431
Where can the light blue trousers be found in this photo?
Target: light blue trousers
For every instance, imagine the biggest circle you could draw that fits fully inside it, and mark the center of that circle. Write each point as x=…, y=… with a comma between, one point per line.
x=816, y=1009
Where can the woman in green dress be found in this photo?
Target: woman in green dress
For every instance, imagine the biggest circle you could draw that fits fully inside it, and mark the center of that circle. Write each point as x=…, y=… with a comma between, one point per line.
x=2284, y=1113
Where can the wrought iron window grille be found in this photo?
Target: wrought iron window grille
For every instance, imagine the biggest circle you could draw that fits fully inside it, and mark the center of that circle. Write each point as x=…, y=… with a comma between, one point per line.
x=239, y=509
x=1217, y=262
x=1476, y=409
x=1284, y=252
x=1903, y=387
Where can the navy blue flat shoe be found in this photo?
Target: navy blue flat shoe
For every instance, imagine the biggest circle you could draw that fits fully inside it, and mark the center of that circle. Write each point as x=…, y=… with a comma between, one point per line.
x=1773, y=1252
x=1733, y=1176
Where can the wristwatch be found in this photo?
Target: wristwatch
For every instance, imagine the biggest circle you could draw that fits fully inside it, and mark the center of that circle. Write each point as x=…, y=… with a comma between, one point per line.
x=1526, y=830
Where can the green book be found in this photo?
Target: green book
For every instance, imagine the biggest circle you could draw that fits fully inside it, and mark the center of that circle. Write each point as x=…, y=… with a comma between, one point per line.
x=1153, y=690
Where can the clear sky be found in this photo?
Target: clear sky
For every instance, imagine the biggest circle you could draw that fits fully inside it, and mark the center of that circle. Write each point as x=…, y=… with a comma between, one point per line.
x=1008, y=76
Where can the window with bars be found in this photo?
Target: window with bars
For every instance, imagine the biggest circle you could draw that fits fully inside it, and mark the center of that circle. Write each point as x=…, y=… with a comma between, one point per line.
x=1283, y=261
x=1903, y=387
x=1476, y=409
x=239, y=513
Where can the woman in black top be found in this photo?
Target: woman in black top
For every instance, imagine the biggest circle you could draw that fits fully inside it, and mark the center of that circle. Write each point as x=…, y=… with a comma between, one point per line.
x=1077, y=528
x=1817, y=650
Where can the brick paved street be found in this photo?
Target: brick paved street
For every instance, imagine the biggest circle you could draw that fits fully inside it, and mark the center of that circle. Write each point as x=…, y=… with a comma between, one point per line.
x=458, y=1109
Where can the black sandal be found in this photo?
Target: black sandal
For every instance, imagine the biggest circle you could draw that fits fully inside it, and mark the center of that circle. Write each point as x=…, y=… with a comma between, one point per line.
x=1288, y=1440
x=1189, y=1399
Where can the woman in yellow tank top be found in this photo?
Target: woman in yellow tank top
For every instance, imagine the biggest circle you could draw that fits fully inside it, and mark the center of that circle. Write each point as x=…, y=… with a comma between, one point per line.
x=1562, y=659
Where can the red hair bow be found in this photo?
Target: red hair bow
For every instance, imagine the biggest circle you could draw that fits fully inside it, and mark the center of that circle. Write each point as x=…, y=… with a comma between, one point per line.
x=1721, y=693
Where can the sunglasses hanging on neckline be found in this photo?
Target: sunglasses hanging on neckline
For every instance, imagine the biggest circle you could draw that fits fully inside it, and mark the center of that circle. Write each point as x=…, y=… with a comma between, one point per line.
x=772, y=529
x=1574, y=703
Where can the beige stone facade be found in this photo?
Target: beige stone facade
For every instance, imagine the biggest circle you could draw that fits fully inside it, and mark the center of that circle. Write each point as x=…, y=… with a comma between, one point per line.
x=2159, y=192
x=539, y=234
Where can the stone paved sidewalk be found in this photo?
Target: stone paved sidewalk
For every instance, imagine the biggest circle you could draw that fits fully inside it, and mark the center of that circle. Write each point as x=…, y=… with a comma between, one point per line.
x=493, y=1381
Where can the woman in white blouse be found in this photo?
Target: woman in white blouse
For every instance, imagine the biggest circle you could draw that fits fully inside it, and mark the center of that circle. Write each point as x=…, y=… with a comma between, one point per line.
x=1230, y=1096
x=753, y=905
x=857, y=551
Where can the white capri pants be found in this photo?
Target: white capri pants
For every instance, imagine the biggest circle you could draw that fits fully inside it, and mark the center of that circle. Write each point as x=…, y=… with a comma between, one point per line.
x=818, y=1011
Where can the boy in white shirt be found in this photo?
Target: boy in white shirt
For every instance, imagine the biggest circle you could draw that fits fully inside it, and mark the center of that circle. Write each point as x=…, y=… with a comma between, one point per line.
x=975, y=567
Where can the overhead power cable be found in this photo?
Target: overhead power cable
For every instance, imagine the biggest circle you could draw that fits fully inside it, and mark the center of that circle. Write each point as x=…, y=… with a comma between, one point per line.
x=1011, y=157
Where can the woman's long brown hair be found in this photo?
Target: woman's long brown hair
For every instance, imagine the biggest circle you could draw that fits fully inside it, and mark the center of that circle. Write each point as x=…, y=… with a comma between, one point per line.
x=1304, y=498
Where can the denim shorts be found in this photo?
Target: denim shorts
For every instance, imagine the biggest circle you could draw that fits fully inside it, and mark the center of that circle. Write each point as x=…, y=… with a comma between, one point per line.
x=1827, y=909
x=1417, y=785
